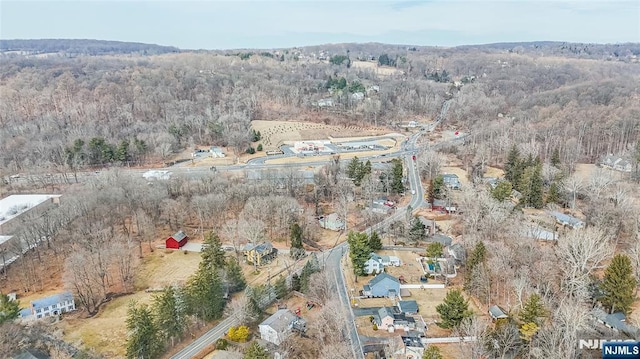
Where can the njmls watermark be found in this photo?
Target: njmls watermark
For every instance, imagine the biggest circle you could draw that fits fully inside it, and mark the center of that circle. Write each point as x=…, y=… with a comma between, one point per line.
x=609, y=348
x=598, y=344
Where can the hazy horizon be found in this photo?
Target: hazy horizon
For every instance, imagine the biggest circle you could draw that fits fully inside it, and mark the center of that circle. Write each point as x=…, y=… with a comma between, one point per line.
x=214, y=25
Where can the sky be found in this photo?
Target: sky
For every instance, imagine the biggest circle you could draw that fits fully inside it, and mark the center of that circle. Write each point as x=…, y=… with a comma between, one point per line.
x=212, y=24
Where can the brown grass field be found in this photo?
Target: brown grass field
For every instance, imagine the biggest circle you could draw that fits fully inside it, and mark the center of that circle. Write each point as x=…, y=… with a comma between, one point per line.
x=276, y=133
x=379, y=70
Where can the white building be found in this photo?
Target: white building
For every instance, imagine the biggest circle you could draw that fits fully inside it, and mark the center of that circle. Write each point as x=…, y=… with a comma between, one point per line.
x=50, y=306
x=280, y=325
x=13, y=206
x=156, y=175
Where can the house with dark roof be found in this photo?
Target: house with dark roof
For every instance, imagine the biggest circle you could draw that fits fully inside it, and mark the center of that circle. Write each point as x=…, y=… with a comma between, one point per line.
x=260, y=254
x=497, y=313
x=440, y=238
x=408, y=306
x=177, y=240
x=391, y=319
x=452, y=181
x=280, y=325
x=382, y=285
x=457, y=252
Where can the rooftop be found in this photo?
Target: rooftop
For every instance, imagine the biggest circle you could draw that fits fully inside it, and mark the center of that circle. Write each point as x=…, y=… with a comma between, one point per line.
x=178, y=236
x=497, y=313
x=380, y=277
x=15, y=205
x=408, y=306
x=4, y=239
x=280, y=320
x=54, y=299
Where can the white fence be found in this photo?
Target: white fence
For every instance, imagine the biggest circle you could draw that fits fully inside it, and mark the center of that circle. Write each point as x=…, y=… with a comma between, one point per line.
x=421, y=286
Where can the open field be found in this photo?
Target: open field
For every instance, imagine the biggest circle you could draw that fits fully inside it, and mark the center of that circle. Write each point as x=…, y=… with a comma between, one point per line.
x=166, y=267
x=106, y=332
x=276, y=133
x=379, y=70
x=409, y=267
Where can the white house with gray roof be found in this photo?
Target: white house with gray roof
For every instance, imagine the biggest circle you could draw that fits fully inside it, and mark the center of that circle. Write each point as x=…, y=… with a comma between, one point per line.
x=280, y=325
x=53, y=305
x=617, y=163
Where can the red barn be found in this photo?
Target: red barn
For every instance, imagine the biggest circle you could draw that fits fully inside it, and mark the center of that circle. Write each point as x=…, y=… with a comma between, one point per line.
x=177, y=240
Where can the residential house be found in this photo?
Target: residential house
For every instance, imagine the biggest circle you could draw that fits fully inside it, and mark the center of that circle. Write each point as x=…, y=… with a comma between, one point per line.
x=440, y=238
x=451, y=180
x=53, y=305
x=412, y=124
x=373, y=88
x=373, y=264
x=259, y=254
x=412, y=348
x=280, y=325
x=457, y=252
x=376, y=263
x=615, y=322
x=391, y=319
x=617, y=163
x=443, y=206
x=408, y=306
x=389, y=261
x=31, y=354
x=382, y=285
x=177, y=240
x=332, y=222
x=357, y=96
x=497, y=313
x=566, y=220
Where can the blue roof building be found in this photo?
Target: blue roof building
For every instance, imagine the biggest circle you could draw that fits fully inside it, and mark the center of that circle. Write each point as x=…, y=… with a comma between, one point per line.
x=53, y=305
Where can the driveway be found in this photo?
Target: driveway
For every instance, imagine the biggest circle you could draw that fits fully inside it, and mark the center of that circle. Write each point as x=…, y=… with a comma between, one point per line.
x=192, y=247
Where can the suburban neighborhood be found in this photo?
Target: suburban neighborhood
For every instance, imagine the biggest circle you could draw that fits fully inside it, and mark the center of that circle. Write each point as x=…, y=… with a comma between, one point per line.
x=340, y=201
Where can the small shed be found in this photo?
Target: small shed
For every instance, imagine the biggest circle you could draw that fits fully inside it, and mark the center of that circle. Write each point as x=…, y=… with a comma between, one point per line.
x=177, y=240
x=497, y=313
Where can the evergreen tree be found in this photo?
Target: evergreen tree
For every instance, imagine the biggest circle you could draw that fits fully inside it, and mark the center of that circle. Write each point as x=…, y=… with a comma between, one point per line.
x=438, y=187
x=375, y=242
x=532, y=187
x=122, y=152
x=259, y=148
x=418, y=231
x=554, y=195
x=143, y=341
x=431, y=195
x=512, y=166
x=432, y=353
x=295, y=282
x=205, y=294
x=555, y=158
x=397, y=186
x=9, y=309
x=618, y=285
x=297, y=248
x=234, y=277
x=453, y=310
x=170, y=314
x=474, y=260
x=502, y=191
x=532, y=310
x=434, y=250
x=281, y=287
x=212, y=253
x=255, y=351
x=308, y=269
x=359, y=251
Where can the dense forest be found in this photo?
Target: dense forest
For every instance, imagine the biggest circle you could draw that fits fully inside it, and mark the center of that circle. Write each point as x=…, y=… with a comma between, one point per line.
x=72, y=112
x=81, y=47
